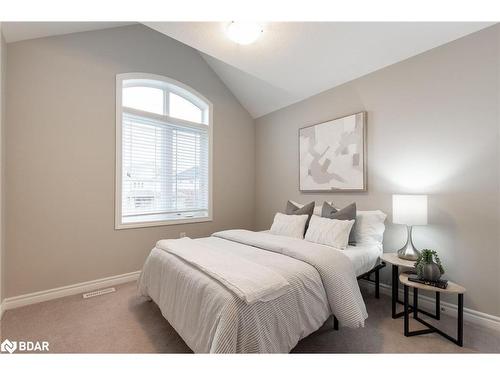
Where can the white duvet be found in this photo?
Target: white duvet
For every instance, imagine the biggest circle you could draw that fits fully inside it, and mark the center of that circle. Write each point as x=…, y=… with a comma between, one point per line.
x=250, y=281
x=210, y=317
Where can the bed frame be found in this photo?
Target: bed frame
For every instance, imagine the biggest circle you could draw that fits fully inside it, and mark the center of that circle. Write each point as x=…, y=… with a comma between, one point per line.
x=367, y=276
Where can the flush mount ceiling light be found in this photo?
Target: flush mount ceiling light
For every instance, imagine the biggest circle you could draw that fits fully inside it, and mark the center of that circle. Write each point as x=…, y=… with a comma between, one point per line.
x=244, y=32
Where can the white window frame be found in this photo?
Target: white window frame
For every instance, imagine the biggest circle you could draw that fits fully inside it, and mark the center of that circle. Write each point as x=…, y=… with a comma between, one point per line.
x=187, y=93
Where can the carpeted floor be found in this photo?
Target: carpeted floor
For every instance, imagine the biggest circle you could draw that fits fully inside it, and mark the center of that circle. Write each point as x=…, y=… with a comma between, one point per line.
x=123, y=322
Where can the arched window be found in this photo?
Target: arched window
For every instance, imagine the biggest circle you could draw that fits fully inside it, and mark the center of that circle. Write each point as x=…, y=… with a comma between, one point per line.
x=163, y=152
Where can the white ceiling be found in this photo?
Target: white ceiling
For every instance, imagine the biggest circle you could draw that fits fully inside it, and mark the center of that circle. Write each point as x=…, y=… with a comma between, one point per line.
x=17, y=31
x=295, y=60
x=291, y=61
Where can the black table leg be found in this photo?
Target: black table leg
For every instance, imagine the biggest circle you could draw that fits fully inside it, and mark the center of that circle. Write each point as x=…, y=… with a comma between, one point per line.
x=406, y=312
x=395, y=287
x=335, y=323
x=377, y=283
x=415, y=303
x=438, y=306
x=460, y=319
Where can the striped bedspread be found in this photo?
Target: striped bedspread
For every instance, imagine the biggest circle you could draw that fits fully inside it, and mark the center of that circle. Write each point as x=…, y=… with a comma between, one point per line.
x=335, y=269
x=211, y=318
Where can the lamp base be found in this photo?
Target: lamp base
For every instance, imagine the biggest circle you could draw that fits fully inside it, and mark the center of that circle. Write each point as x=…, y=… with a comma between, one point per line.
x=408, y=251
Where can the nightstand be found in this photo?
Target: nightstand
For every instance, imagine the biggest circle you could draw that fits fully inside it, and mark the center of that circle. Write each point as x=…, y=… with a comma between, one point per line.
x=397, y=262
x=451, y=288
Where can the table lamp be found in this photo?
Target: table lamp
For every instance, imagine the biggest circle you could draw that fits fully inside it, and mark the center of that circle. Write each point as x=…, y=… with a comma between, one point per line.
x=409, y=210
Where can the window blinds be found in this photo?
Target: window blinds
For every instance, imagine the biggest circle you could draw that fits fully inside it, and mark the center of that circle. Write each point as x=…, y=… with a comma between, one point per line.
x=164, y=169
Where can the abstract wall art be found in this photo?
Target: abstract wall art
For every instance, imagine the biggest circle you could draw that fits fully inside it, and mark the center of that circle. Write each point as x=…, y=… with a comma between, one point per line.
x=332, y=155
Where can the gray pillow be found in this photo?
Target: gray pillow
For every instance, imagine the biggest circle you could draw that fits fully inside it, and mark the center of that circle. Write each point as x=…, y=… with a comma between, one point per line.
x=307, y=209
x=346, y=213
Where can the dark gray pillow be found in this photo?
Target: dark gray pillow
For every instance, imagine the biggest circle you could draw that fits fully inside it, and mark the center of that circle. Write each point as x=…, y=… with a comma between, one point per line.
x=306, y=209
x=346, y=213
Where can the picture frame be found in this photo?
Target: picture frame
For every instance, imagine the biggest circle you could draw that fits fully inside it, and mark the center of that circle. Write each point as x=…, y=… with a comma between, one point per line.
x=333, y=155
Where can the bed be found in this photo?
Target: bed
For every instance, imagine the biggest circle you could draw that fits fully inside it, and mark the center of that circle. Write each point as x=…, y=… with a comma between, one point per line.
x=213, y=317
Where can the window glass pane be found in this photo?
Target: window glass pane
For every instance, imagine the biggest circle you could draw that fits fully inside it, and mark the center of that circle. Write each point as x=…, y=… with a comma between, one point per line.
x=184, y=109
x=144, y=166
x=191, y=167
x=147, y=99
x=164, y=170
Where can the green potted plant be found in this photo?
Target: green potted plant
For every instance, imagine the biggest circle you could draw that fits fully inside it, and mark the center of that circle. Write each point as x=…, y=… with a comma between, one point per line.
x=426, y=267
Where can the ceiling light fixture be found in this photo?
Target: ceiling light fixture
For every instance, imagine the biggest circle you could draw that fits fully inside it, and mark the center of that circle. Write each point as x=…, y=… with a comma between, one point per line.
x=244, y=32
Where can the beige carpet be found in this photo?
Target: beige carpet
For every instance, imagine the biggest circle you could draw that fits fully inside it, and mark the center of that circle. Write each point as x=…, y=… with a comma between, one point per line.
x=123, y=322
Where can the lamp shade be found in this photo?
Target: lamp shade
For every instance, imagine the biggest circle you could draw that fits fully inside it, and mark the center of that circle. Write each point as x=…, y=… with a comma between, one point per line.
x=409, y=209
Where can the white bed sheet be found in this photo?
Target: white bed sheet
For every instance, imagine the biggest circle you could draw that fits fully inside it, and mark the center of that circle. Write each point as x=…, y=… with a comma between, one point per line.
x=364, y=256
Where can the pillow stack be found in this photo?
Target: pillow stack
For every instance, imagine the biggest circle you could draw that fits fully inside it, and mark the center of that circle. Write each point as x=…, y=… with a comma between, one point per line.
x=333, y=228
x=329, y=225
x=295, y=222
x=346, y=213
x=307, y=209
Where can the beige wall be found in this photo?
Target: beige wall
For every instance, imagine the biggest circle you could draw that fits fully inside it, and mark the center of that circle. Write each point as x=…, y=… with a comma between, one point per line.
x=60, y=155
x=2, y=117
x=432, y=128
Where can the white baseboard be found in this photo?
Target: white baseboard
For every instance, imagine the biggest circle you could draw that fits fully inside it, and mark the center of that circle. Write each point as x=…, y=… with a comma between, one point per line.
x=69, y=290
x=472, y=316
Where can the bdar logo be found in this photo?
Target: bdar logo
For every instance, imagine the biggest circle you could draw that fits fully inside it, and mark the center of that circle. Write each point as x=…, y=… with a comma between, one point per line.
x=8, y=346
x=24, y=346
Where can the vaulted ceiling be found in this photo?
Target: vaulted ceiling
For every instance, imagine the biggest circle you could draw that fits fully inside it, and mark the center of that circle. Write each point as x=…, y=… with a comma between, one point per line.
x=295, y=60
x=290, y=61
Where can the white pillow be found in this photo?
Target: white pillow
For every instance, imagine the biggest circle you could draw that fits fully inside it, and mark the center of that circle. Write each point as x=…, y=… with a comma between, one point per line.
x=369, y=227
x=289, y=225
x=329, y=232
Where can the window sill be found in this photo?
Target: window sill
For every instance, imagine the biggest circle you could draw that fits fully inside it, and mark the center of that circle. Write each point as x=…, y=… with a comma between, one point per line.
x=160, y=223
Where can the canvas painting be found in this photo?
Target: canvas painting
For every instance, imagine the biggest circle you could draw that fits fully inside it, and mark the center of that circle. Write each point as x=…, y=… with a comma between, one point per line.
x=333, y=155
